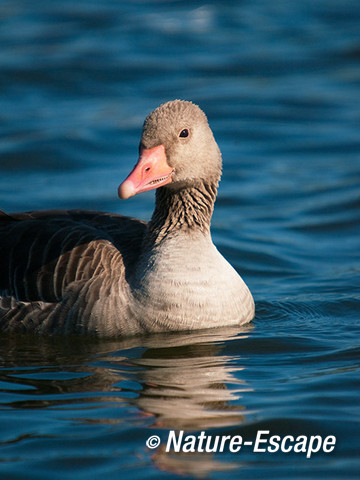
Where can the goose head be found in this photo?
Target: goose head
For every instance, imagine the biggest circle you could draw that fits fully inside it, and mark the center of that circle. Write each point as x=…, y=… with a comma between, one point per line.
x=177, y=150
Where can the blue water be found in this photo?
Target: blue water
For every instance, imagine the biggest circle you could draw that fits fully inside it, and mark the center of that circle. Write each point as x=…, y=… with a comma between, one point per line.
x=280, y=83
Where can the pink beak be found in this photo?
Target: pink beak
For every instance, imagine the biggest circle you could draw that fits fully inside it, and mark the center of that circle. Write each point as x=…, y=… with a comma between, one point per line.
x=151, y=171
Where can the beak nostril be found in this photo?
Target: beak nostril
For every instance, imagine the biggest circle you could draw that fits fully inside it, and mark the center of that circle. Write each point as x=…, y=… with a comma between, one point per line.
x=147, y=169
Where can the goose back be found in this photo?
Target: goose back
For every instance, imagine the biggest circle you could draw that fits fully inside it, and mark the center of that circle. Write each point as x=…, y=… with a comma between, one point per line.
x=45, y=256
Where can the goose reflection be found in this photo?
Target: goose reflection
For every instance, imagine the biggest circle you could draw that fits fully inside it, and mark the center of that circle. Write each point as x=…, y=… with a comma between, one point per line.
x=187, y=386
x=175, y=381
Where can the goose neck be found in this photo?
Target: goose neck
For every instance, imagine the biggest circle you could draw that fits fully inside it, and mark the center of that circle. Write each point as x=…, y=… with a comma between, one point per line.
x=183, y=210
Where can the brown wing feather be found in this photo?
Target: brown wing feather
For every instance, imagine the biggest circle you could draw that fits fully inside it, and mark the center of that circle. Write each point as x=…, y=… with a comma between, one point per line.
x=41, y=253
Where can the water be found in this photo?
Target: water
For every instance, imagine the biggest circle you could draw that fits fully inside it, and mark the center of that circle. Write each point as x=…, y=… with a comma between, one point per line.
x=279, y=82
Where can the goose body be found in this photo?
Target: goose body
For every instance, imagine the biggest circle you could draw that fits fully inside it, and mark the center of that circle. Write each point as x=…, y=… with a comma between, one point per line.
x=105, y=274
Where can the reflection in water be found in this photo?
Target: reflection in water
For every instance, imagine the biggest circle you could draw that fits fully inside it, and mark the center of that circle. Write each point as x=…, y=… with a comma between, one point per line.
x=197, y=465
x=186, y=387
x=176, y=382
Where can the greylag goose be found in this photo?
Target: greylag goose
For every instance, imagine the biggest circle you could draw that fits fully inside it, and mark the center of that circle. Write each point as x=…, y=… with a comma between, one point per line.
x=64, y=272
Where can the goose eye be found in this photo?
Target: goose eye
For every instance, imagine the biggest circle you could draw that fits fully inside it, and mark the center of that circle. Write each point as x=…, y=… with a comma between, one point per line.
x=184, y=133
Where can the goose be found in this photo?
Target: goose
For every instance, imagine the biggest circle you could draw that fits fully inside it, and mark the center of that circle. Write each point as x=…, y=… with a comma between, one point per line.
x=84, y=272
